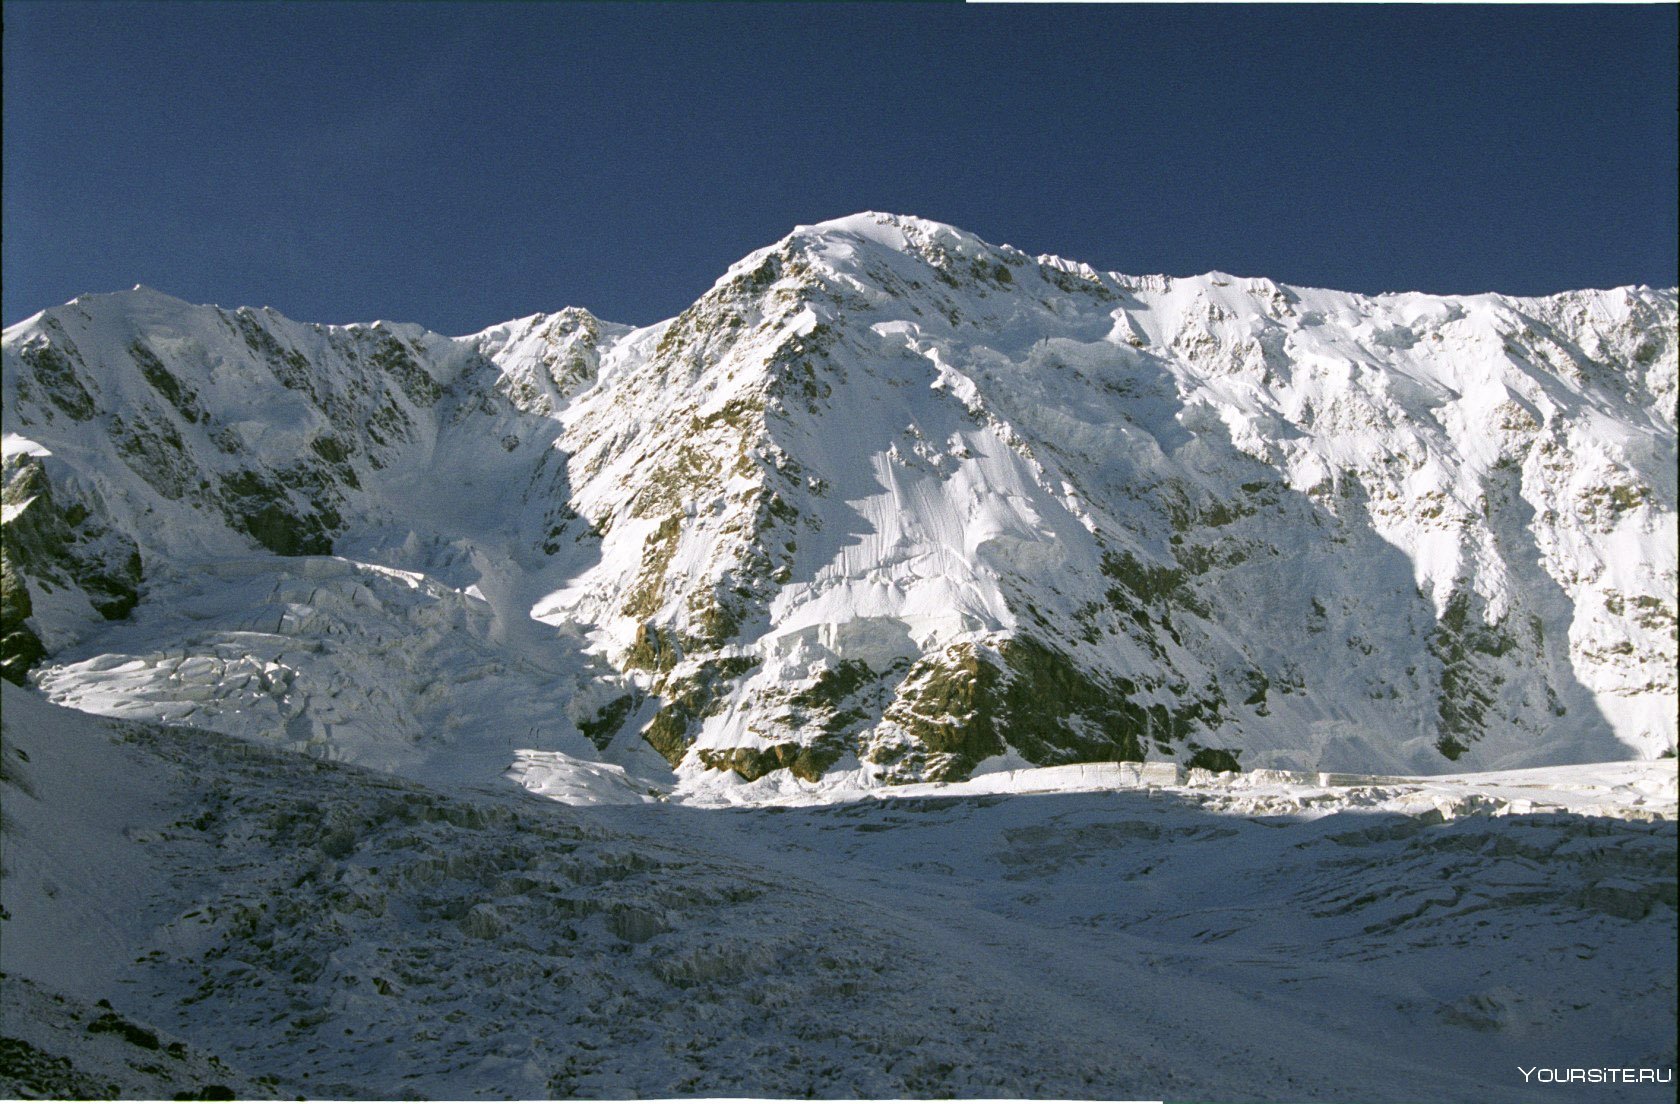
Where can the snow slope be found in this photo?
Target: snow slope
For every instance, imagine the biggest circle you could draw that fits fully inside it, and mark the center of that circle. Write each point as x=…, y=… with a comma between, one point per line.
x=306, y=928
x=1325, y=530
x=888, y=505
x=210, y=460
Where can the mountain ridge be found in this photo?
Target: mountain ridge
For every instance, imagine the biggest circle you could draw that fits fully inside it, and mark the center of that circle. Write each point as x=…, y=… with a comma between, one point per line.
x=887, y=503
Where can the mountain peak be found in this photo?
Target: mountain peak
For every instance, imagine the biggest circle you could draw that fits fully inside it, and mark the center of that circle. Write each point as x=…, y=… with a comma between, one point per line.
x=893, y=231
x=924, y=239
x=136, y=296
x=871, y=254
x=889, y=501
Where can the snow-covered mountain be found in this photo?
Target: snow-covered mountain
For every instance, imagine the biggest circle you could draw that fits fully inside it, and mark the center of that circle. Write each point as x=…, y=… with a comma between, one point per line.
x=887, y=504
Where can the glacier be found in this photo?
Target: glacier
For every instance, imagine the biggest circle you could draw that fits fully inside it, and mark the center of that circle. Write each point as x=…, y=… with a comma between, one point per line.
x=190, y=912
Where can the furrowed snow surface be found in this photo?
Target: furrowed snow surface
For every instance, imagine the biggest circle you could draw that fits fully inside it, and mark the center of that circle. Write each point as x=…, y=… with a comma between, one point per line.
x=310, y=928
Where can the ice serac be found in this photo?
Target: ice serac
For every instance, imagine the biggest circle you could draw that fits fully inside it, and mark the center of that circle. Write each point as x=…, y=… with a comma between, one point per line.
x=887, y=504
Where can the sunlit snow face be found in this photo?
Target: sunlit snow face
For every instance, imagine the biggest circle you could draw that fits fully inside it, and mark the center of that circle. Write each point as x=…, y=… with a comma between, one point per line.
x=888, y=503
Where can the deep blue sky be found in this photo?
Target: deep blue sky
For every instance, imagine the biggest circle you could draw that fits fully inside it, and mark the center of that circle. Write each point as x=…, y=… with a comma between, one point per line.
x=457, y=166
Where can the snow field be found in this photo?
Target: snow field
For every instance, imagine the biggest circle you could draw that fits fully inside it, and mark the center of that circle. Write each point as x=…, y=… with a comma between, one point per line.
x=351, y=934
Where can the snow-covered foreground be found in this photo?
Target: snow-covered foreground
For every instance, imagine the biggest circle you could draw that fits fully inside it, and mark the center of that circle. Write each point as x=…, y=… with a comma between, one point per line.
x=322, y=930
